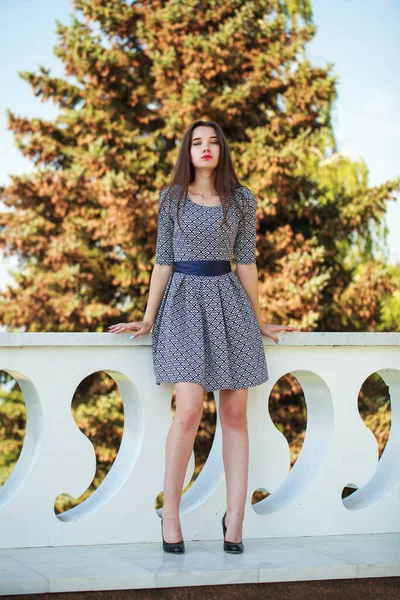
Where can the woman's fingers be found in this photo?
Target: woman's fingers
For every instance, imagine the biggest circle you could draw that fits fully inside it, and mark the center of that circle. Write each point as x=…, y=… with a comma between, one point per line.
x=138, y=332
x=142, y=331
x=138, y=328
x=272, y=336
x=124, y=327
x=273, y=329
x=284, y=328
x=114, y=329
x=117, y=329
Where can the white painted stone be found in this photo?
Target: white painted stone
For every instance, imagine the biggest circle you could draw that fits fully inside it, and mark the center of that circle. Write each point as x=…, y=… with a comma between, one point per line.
x=338, y=448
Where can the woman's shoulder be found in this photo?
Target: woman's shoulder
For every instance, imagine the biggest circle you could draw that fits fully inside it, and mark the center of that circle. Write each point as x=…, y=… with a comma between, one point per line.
x=166, y=189
x=169, y=191
x=245, y=196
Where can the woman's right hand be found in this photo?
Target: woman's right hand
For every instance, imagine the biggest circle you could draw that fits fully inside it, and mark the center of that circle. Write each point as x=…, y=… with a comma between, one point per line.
x=139, y=327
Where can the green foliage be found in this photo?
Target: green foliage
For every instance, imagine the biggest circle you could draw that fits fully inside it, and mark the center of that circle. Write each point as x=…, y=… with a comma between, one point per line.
x=84, y=224
x=390, y=312
x=12, y=428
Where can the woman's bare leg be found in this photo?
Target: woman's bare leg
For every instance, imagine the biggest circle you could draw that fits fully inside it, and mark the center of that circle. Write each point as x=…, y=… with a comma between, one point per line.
x=179, y=447
x=235, y=451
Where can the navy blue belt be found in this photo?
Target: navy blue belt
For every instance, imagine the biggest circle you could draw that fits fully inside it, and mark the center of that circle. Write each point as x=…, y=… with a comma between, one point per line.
x=203, y=267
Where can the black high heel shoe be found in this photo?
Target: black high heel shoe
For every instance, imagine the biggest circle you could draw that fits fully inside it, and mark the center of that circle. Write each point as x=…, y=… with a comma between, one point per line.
x=174, y=548
x=232, y=547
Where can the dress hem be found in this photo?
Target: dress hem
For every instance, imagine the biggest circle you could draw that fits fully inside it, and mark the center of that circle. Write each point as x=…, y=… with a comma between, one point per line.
x=226, y=387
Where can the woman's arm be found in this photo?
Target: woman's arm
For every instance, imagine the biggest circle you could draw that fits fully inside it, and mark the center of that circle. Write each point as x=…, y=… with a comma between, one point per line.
x=246, y=266
x=158, y=282
x=248, y=275
x=164, y=261
x=163, y=267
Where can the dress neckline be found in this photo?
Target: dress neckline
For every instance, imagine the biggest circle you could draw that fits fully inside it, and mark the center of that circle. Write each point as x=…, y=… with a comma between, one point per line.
x=203, y=205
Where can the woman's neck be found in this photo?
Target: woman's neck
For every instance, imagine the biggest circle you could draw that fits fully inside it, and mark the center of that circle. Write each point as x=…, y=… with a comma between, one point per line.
x=203, y=186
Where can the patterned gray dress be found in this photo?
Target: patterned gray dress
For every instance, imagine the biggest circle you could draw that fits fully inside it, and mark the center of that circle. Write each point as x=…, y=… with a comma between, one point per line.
x=206, y=330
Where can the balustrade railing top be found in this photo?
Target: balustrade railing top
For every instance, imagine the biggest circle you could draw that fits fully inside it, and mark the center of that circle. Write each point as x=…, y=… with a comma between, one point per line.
x=297, y=338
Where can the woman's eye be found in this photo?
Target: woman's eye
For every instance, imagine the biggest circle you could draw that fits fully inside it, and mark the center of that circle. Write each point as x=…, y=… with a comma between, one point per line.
x=198, y=144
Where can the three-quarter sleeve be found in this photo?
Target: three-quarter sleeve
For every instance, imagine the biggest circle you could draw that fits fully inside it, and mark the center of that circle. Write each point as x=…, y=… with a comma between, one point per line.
x=164, y=245
x=245, y=243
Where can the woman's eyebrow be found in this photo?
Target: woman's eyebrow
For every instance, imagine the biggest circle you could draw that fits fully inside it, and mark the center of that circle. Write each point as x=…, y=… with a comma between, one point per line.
x=199, y=138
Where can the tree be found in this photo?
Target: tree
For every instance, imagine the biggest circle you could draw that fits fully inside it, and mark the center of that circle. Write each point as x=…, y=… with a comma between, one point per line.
x=84, y=224
x=136, y=75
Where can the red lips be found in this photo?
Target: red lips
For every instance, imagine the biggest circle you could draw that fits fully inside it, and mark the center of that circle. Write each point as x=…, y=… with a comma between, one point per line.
x=207, y=156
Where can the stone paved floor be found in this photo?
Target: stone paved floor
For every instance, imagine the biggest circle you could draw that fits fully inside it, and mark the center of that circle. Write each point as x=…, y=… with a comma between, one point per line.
x=138, y=566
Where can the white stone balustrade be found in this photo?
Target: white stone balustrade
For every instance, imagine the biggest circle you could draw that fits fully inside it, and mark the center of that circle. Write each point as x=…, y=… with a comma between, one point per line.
x=305, y=501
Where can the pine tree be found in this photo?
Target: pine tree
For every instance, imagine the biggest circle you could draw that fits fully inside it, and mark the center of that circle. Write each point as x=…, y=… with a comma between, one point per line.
x=136, y=75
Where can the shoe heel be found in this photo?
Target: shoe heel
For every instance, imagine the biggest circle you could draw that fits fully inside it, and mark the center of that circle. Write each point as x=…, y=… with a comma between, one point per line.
x=231, y=547
x=172, y=548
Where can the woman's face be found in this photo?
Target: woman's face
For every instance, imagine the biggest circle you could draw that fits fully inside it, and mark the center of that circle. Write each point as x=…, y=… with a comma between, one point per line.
x=204, y=149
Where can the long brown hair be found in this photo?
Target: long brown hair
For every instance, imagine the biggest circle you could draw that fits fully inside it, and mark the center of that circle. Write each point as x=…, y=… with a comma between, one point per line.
x=225, y=177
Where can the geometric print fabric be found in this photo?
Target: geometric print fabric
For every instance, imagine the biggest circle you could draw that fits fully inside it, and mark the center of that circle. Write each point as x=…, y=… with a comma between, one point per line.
x=206, y=330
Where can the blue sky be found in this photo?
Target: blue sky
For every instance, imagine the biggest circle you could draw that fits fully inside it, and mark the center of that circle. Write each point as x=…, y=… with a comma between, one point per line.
x=361, y=38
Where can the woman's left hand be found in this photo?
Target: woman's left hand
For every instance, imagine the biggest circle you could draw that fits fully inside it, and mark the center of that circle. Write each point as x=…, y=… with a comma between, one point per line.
x=269, y=330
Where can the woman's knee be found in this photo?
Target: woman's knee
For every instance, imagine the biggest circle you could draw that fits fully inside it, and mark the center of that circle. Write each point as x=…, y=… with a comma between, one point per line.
x=189, y=405
x=234, y=419
x=188, y=420
x=233, y=410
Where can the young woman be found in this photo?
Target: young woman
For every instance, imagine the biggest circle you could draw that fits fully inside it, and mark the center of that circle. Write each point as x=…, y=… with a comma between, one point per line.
x=207, y=326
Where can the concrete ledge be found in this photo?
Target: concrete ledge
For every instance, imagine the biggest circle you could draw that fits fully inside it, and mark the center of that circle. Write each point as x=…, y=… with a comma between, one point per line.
x=146, y=567
x=296, y=338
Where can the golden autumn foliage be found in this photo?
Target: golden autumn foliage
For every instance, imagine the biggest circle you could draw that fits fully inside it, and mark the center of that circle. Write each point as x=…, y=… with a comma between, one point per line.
x=84, y=224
